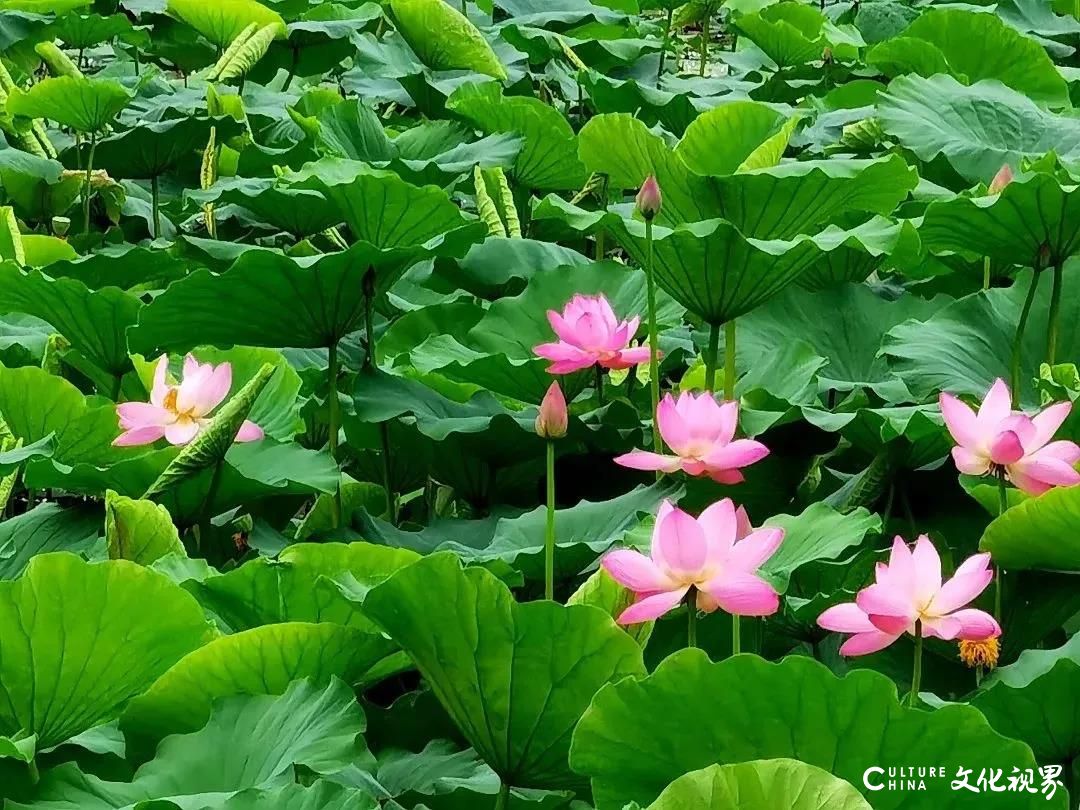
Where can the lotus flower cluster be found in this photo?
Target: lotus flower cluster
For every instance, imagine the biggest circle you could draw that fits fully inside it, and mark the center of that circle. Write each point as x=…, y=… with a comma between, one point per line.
x=717, y=553
x=178, y=413
x=999, y=440
x=909, y=589
x=701, y=433
x=590, y=334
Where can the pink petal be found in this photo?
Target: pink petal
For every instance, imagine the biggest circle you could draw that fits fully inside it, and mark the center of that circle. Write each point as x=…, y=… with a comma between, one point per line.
x=970, y=463
x=635, y=571
x=960, y=590
x=1047, y=423
x=644, y=460
x=1047, y=470
x=160, y=387
x=960, y=420
x=142, y=414
x=976, y=625
x=845, y=618
x=740, y=453
x=191, y=365
x=946, y=628
x=927, y=569
x=628, y=358
x=1006, y=448
x=899, y=574
x=652, y=607
x=753, y=550
x=996, y=407
x=727, y=477
x=570, y=366
x=681, y=543
x=673, y=428
x=742, y=521
x=180, y=433
x=720, y=526
x=561, y=351
x=893, y=625
x=607, y=314
x=885, y=600
x=139, y=436
x=866, y=643
x=1063, y=450
x=189, y=394
x=973, y=564
x=249, y=432
x=216, y=387
x=742, y=594
x=1027, y=484
x=632, y=325
x=655, y=549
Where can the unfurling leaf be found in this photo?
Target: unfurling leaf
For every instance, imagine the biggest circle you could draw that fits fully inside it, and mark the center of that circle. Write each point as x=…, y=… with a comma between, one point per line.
x=242, y=54
x=58, y=62
x=137, y=530
x=485, y=205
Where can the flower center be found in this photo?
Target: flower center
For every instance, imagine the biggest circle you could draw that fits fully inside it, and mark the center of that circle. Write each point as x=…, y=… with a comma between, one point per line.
x=169, y=404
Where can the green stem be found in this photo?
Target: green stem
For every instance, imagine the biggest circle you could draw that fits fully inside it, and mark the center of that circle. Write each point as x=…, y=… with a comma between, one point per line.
x=1055, y=311
x=729, y=360
x=654, y=350
x=334, y=419
x=86, y=184
x=155, y=204
x=502, y=801
x=1003, y=504
x=464, y=8
x=549, y=536
x=986, y=273
x=600, y=250
x=691, y=617
x=710, y=356
x=384, y=428
x=916, y=674
x=704, y=40
x=35, y=776
x=667, y=44
x=292, y=69
x=736, y=632
x=1018, y=340
x=599, y=383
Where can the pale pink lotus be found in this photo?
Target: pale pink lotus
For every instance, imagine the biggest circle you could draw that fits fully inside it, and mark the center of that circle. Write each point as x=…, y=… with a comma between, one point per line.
x=552, y=418
x=717, y=554
x=909, y=589
x=178, y=413
x=589, y=334
x=1000, y=440
x=701, y=433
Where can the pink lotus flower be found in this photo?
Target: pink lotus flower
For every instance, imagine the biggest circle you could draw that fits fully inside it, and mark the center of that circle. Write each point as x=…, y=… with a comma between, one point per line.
x=649, y=199
x=551, y=420
x=590, y=334
x=700, y=432
x=998, y=439
x=718, y=554
x=179, y=412
x=909, y=589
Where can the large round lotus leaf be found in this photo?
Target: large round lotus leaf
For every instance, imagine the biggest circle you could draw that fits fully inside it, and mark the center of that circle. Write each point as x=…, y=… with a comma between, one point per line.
x=1038, y=533
x=221, y=21
x=514, y=677
x=150, y=149
x=443, y=37
x=765, y=784
x=641, y=733
x=1037, y=700
x=78, y=640
x=260, y=661
x=86, y=105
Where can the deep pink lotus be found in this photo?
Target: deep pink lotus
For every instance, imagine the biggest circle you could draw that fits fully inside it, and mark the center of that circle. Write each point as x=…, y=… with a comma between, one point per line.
x=717, y=553
x=909, y=589
x=999, y=440
x=178, y=413
x=701, y=433
x=590, y=334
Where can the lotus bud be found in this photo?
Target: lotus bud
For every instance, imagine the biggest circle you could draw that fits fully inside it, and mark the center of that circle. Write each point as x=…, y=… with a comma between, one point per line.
x=61, y=226
x=1001, y=179
x=827, y=56
x=552, y=419
x=649, y=198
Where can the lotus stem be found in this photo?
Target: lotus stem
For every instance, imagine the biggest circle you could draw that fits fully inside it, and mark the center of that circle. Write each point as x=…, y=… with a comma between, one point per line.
x=654, y=349
x=1018, y=340
x=155, y=204
x=502, y=801
x=1055, y=312
x=663, y=49
x=705, y=39
x=464, y=8
x=1003, y=504
x=691, y=617
x=710, y=357
x=736, y=632
x=729, y=360
x=86, y=185
x=369, y=361
x=916, y=673
x=334, y=419
x=600, y=245
x=599, y=384
x=292, y=69
x=986, y=272
x=35, y=776
x=549, y=535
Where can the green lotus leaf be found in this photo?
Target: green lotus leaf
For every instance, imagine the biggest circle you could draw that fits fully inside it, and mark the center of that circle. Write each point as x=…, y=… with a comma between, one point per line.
x=321, y=795
x=140, y=531
x=721, y=140
x=86, y=105
x=978, y=128
x=963, y=347
x=71, y=626
x=36, y=186
x=902, y=54
x=300, y=586
x=86, y=30
x=880, y=243
x=259, y=661
x=148, y=150
x=123, y=266
x=47, y=527
x=95, y=322
x=443, y=37
x=760, y=785
x=1037, y=533
x=222, y=22
x=792, y=34
x=250, y=741
x=41, y=250
x=601, y=591
x=514, y=677
x=492, y=268
x=981, y=46
x=11, y=460
x=634, y=738
x=548, y=159
x=301, y=212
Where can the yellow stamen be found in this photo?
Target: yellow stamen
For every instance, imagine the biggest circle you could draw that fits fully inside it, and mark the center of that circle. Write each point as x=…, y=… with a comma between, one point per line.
x=980, y=653
x=170, y=400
